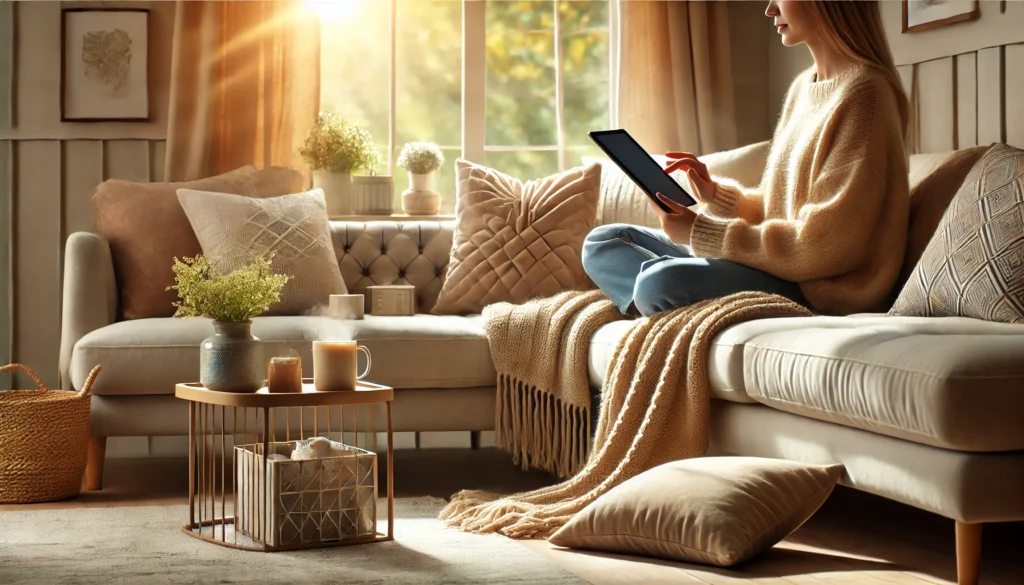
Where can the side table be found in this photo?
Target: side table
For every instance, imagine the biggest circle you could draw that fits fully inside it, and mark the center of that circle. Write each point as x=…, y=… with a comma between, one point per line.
x=268, y=502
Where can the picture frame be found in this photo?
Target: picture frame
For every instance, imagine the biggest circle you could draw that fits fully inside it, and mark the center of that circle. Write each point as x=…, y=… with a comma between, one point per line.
x=104, y=65
x=922, y=15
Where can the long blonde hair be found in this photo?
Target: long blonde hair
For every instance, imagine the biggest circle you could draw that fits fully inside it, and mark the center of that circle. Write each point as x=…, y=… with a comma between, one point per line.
x=853, y=28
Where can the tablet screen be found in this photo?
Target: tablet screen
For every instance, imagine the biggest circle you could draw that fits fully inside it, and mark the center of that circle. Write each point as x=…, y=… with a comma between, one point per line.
x=640, y=167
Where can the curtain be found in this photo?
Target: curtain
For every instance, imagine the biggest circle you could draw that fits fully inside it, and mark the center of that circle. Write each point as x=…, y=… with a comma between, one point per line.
x=245, y=86
x=675, y=88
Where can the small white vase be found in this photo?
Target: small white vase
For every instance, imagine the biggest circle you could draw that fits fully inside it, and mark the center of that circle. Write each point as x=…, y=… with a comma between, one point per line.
x=421, y=198
x=337, y=189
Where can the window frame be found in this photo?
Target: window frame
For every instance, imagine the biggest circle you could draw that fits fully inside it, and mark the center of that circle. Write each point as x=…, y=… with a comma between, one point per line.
x=474, y=85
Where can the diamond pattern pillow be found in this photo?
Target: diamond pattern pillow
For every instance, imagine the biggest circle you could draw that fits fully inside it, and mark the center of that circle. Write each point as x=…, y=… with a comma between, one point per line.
x=233, y=230
x=515, y=241
x=974, y=264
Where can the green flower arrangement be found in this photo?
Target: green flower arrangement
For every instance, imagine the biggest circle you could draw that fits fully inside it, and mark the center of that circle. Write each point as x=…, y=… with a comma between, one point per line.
x=236, y=297
x=339, y=146
x=421, y=158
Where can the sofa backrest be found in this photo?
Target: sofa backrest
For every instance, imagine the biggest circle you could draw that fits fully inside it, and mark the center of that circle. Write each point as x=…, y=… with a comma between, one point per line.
x=390, y=252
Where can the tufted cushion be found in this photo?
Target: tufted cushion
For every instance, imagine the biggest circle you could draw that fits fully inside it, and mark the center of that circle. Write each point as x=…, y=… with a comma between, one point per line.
x=515, y=241
x=389, y=252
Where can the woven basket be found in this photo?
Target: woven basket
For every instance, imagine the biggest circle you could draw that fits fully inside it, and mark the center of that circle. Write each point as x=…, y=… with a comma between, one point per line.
x=44, y=436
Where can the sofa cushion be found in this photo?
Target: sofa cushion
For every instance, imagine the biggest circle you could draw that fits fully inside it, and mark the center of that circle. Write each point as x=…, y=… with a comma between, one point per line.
x=149, y=356
x=726, y=358
x=955, y=383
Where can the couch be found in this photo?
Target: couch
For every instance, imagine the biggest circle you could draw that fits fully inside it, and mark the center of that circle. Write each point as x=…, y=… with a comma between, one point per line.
x=924, y=411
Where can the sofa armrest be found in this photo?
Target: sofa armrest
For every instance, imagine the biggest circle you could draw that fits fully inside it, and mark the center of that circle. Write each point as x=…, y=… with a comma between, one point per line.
x=90, y=294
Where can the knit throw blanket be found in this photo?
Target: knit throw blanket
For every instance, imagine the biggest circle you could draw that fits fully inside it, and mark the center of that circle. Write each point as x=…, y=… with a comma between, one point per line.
x=655, y=404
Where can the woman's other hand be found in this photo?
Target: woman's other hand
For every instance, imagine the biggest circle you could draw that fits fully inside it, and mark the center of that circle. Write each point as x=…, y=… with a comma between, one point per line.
x=702, y=186
x=677, y=224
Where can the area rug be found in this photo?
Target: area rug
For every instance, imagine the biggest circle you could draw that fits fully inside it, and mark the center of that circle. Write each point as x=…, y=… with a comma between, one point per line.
x=146, y=545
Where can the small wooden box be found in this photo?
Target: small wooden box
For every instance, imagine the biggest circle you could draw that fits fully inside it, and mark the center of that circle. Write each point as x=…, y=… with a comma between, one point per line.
x=392, y=299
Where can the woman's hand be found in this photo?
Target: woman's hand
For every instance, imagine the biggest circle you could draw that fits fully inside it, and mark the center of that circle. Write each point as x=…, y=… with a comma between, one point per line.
x=702, y=186
x=678, y=224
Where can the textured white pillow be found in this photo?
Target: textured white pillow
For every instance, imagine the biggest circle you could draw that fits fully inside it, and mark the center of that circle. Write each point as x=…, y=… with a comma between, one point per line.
x=712, y=510
x=233, y=230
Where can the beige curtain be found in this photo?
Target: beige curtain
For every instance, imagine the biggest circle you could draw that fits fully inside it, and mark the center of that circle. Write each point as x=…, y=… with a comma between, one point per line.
x=245, y=86
x=675, y=77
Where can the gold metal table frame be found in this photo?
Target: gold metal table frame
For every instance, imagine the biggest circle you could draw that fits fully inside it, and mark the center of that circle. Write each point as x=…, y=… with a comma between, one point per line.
x=260, y=411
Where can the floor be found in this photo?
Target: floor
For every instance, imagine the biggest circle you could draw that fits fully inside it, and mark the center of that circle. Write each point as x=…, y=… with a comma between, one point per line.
x=854, y=539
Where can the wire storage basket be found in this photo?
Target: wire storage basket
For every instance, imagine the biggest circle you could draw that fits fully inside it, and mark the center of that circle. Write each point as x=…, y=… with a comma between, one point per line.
x=44, y=437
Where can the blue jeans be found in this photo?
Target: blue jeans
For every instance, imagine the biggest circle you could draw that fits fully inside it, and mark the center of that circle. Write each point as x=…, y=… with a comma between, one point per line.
x=638, y=266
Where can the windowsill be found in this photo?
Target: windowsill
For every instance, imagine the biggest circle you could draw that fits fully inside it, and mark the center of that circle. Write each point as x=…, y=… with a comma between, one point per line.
x=400, y=217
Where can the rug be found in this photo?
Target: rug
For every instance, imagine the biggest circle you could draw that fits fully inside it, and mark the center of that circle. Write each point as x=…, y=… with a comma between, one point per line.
x=145, y=545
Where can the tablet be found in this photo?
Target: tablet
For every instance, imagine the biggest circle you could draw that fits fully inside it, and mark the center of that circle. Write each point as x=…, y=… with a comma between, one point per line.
x=641, y=168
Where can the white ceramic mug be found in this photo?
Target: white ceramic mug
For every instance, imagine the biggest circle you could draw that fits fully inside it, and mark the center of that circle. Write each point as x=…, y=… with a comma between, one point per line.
x=335, y=365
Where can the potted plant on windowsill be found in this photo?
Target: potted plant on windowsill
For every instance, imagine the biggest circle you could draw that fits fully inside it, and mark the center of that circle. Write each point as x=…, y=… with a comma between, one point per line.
x=421, y=159
x=334, y=149
x=230, y=360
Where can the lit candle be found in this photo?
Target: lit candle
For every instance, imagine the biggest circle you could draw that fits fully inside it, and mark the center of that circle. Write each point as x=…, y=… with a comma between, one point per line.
x=284, y=374
x=335, y=363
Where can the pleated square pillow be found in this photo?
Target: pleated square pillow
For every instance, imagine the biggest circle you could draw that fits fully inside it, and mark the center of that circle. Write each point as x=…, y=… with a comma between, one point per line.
x=233, y=230
x=515, y=241
x=710, y=510
x=974, y=264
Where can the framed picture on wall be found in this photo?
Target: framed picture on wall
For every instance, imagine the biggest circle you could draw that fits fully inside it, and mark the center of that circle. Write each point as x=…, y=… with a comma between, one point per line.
x=921, y=15
x=104, y=65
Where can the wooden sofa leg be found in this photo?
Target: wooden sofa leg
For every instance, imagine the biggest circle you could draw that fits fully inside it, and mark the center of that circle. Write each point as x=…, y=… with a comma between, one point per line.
x=94, y=463
x=968, y=553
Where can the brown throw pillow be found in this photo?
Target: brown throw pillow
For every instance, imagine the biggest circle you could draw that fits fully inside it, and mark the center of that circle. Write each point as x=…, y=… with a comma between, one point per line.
x=516, y=241
x=711, y=510
x=934, y=180
x=233, y=230
x=974, y=264
x=147, y=229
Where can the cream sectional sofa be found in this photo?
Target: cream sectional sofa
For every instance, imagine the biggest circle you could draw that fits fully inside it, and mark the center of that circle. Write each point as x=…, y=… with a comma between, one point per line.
x=924, y=411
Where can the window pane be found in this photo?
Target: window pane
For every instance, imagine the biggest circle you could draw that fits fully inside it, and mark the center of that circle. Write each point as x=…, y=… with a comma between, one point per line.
x=521, y=74
x=354, y=63
x=576, y=154
x=524, y=165
x=429, y=73
x=585, y=54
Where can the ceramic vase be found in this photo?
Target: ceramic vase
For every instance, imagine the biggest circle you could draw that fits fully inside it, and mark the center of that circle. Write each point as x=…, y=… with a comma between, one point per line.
x=337, y=189
x=373, y=195
x=421, y=198
x=231, y=360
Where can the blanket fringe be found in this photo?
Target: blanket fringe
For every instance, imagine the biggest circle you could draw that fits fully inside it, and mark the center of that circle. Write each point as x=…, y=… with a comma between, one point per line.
x=539, y=430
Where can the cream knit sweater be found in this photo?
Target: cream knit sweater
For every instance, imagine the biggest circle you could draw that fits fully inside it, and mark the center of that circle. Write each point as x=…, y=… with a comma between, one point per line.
x=832, y=209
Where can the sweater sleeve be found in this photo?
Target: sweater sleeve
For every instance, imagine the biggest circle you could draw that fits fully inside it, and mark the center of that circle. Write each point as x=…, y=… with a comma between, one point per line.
x=733, y=201
x=830, y=232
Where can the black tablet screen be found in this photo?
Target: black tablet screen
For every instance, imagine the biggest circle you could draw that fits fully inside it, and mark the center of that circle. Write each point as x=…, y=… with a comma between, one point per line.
x=640, y=167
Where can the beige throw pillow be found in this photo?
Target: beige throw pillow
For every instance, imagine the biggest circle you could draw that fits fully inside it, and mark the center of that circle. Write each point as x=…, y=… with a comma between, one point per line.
x=515, y=241
x=233, y=230
x=974, y=264
x=711, y=510
x=147, y=229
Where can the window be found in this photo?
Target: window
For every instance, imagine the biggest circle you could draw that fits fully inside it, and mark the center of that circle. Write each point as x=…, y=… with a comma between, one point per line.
x=515, y=85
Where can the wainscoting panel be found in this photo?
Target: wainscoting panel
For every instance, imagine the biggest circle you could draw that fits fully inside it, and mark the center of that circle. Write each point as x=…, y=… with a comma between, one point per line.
x=83, y=170
x=127, y=160
x=967, y=100
x=6, y=309
x=157, y=151
x=37, y=242
x=936, y=109
x=6, y=64
x=1014, y=97
x=990, y=96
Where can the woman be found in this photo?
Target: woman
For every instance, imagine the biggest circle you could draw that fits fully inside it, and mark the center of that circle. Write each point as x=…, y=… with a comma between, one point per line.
x=826, y=228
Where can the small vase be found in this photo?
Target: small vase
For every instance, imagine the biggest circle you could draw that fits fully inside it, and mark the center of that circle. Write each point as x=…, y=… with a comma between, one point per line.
x=421, y=198
x=373, y=195
x=337, y=189
x=231, y=360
